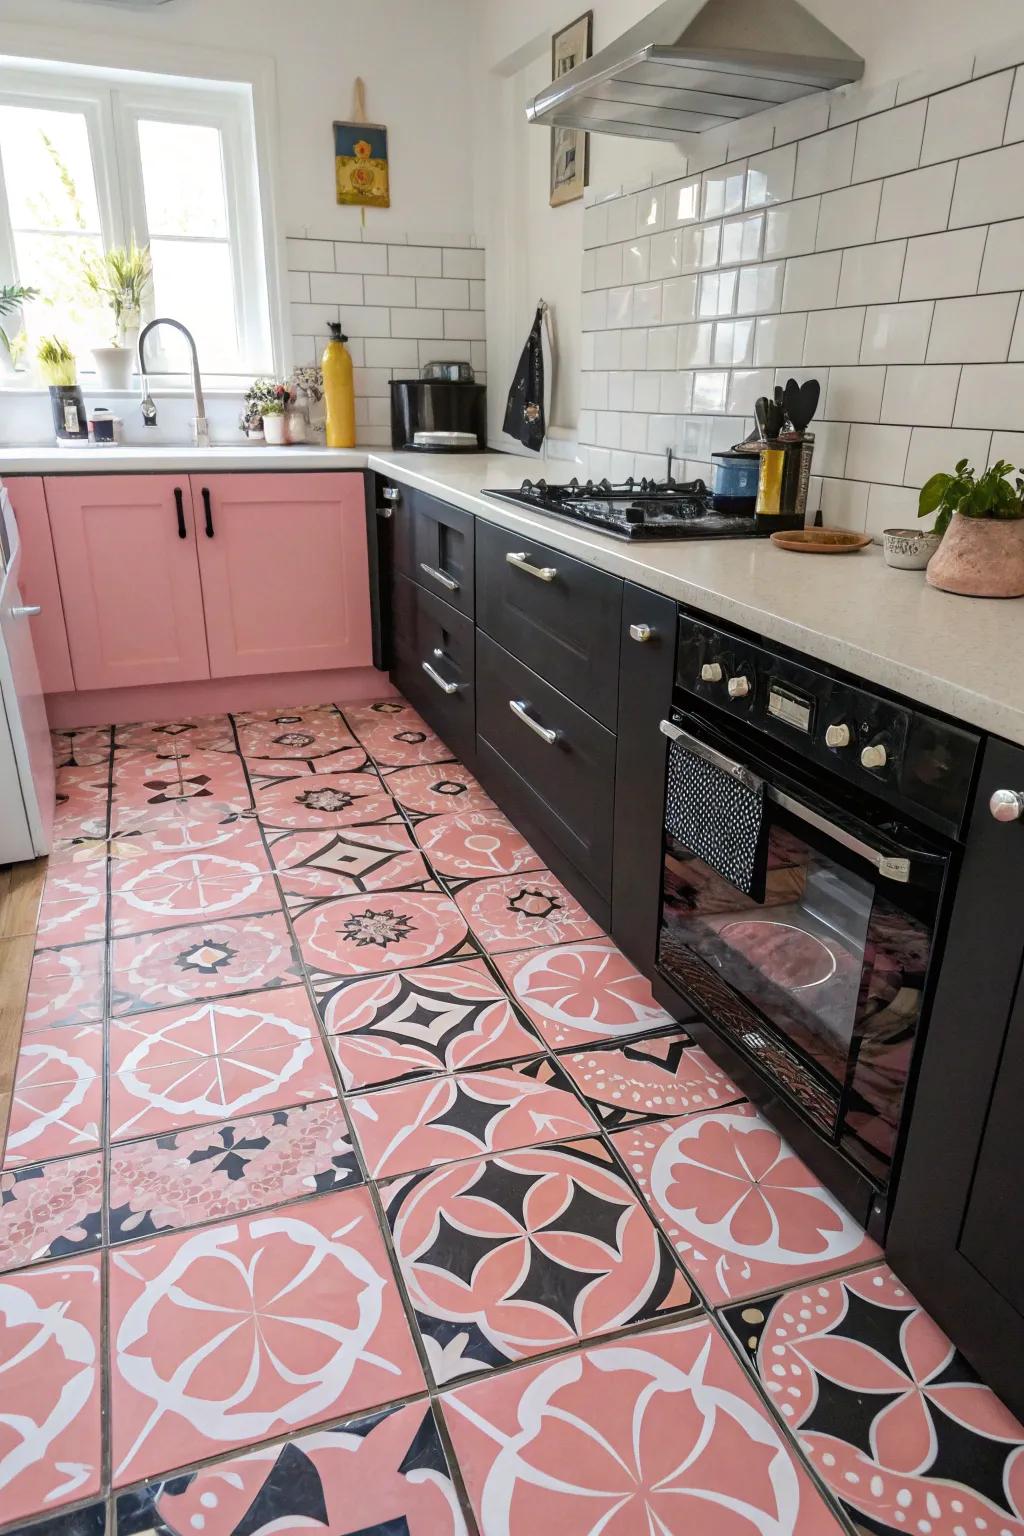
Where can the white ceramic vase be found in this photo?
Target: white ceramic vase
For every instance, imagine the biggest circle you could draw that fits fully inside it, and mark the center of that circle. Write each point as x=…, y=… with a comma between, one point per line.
x=275, y=429
x=113, y=367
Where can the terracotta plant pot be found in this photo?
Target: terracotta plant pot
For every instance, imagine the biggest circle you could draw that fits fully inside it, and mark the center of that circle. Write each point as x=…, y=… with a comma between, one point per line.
x=980, y=557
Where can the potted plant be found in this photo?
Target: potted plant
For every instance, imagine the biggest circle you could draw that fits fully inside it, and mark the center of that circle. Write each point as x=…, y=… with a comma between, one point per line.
x=981, y=520
x=259, y=394
x=59, y=370
x=275, y=415
x=12, y=297
x=121, y=278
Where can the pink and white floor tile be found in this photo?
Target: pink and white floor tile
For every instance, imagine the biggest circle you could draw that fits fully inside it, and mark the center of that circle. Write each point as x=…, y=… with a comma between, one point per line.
x=84, y=748
x=383, y=931
x=437, y=789
x=73, y=909
x=167, y=890
x=579, y=994
x=207, y=959
x=82, y=796
x=347, y=861
x=471, y=844
x=66, y=987
x=649, y=1078
x=513, y=912
x=57, y=1100
x=323, y=802
x=742, y=1210
x=394, y=735
x=211, y=733
x=50, y=1210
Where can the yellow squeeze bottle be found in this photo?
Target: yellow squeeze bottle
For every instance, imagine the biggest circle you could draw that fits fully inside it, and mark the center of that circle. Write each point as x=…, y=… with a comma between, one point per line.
x=339, y=390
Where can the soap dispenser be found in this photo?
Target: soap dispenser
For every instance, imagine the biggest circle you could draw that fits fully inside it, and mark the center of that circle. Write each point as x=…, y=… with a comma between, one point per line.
x=339, y=390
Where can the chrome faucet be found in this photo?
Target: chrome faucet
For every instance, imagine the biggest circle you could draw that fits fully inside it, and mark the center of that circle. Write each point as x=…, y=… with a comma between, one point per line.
x=200, y=425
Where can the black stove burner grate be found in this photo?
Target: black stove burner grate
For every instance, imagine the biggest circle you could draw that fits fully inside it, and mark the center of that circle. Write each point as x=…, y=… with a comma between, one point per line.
x=636, y=508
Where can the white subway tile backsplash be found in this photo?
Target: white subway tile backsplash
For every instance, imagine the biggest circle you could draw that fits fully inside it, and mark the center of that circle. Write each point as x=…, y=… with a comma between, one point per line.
x=1003, y=264
x=854, y=394
x=417, y=322
x=871, y=273
x=770, y=177
x=717, y=294
x=666, y=253
x=1014, y=130
x=791, y=229
x=896, y=333
x=890, y=506
x=779, y=340
x=799, y=119
x=943, y=266
x=889, y=142
x=877, y=453
x=633, y=349
x=363, y=320
x=682, y=201
x=608, y=266
x=678, y=299
x=442, y=292
x=310, y=255
x=831, y=442
x=476, y=294
x=921, y=396
x=390, y=290
x=414, y=260
x=298, y=287
x=940, y=448
x=676, y=391
x=594, y=310
x=849, y=216
x=989, y=187
x=595, y=225
x=462, y=325
x=1007, y=445
x=968, y=119
x=973, y=330
x=636, y=261
x=844, y=504
x=733, y=346
x=647, y=392
x=650, y=211
x=634, y=433
x=852, y=102
x=594, y=391
x=1017, y=340
x=710, y=390
x=356, y=256
x=620, y=308
x=741, y=238
x=917, y=203
x=389, y=352
x=724, y=190
x=825, y=161
x=833, y=337
x=463, y=263
x=622, y=218
x=647, y=301
x=608, y=349
x=662, y=341
x=759, y=289
x=607, y=429
x=694, y=345
x=335, y=288
x=811, y=282
x=991, y=395
x=745, y=386
x=311, y=319
x=700, y=247
x=620, y=390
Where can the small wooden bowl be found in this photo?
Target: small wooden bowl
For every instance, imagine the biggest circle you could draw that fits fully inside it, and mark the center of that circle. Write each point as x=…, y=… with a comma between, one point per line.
x=821, y=541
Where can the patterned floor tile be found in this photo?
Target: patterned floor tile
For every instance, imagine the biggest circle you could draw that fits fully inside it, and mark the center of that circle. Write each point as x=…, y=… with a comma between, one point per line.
x=437, y=790
x=57, y=1101
x=741, y=1208
x=347, y=861
x=179, y=828
x=81, y=807
x=395, y=735
x=66, y=987
x=73, y=909
x=168, y=890
x=50, y=1368
x=186, y=1177
x=208, y=959
x=663, y=1075
x=522, y=911
x=259, y=1021
x=214, y=778
x=324, y=802
x=51, y=1210
x=657, y=1433
x=470, y=844
x=582, y=993
x=81, y=749
x=441, y=1119
x=210, y=733
x=235, y=1333
x=303, y=737
x=509, y=1256
x=436, y=1019
x=383, y=1474
x=890, y=1415
x=385, y=931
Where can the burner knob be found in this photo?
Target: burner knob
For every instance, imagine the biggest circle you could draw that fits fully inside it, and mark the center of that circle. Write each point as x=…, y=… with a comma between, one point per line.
x=1007, y=805
x=739, y=687
x=711, y=672
x=874, y=757
x=841, y=736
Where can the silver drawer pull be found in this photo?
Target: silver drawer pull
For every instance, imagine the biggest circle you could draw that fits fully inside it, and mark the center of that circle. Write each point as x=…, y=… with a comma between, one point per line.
x=640, y=632
x=521, y=561
x=439, y=576
x=435, y=677
x=28, y=611
x=391, y=493
x=520, y=711
x=385, y=512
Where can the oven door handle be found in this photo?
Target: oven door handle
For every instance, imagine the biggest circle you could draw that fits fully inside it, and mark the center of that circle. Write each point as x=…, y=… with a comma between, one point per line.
x=890, y=866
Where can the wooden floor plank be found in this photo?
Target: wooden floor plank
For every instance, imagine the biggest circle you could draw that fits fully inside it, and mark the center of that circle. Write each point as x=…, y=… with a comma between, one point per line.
x=21, y=887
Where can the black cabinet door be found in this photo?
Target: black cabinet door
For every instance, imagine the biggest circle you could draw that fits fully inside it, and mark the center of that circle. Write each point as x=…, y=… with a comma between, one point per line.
x=433, y=664
x=646, y=667
x=558, y=615
x=955, y=1235
x=433, y=544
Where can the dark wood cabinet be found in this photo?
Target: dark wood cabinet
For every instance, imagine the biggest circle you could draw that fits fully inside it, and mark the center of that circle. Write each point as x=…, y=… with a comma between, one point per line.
x=956, y=1237
x=433, y=663
x=432, y=544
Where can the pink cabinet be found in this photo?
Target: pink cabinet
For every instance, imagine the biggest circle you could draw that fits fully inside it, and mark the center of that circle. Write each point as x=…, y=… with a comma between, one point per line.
x=129, y=576
x=39, y=585
x=284, y=571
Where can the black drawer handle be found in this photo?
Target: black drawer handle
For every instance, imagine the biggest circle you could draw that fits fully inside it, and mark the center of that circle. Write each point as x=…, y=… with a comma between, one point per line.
x=521, y=560
x=208, y=513
x=179, y=506
x=520, y=711
x=436, y=678
x=439, y=576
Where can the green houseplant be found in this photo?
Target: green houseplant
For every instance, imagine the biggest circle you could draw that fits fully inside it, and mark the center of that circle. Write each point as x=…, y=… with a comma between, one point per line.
x=981, y=520
x=13, y=297
x=57, y=366
x=120, y=278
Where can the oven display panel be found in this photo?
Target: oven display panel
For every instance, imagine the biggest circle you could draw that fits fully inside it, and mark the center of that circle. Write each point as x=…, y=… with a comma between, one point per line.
x=789, y=707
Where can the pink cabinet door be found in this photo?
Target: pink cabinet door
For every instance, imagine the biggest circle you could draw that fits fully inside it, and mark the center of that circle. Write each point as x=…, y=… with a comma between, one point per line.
x=39, y=585
x=285, y=576
x=129, y=577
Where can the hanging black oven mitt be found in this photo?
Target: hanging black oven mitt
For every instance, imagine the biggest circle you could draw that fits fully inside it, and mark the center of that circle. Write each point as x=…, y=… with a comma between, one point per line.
x=719, y=819
x=524, y=413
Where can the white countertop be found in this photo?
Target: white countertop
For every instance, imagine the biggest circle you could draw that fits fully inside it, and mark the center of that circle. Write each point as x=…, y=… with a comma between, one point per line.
x=957, y=654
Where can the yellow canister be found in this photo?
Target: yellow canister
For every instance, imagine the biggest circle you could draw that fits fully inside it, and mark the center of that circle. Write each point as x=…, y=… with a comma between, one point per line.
x=339, y=390
x=769, y=485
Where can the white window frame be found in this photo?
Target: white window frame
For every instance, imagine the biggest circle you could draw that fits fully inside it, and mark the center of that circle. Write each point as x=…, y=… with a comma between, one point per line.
x=112, y=103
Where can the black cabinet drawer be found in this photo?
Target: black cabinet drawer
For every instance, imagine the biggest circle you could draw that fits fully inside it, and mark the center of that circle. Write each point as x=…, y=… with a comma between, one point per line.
x=558, y=615
x=433, y=544
x=433, y=664
x=565, y=785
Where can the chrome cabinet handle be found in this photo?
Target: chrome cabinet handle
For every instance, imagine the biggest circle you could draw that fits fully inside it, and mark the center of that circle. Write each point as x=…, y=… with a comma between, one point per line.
x=27, y=611
x=435, y=677
x=391, y=493
x=439, y=576
x=521, y=561
x=519, y=709
x=1007, y=805
x=385, y=512
x=640, y=632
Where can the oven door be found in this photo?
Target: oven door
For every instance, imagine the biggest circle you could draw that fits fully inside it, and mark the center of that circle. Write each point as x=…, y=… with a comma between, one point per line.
x=820, y=983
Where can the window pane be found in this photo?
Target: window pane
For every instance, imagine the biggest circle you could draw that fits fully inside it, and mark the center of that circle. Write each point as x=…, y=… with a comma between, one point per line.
x=192, y=283
x=66, y=307
x=48, y=170
x=183, y=178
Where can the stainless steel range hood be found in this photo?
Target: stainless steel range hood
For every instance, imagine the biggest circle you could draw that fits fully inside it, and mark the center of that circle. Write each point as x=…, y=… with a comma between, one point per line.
x=690, y=66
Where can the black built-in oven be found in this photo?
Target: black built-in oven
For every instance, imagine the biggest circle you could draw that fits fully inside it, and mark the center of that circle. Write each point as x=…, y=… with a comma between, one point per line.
x=816, y=975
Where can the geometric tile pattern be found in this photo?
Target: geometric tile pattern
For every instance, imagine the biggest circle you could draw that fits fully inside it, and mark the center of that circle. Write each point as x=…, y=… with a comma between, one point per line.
x=342, y=1135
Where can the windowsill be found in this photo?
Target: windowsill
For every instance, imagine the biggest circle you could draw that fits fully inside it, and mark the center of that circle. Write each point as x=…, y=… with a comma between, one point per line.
x=217, y=384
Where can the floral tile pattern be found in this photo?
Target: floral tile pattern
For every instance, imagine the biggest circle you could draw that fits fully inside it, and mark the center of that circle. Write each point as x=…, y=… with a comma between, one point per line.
x=347, y=861
x=471, y=844
x=65, y=987
x=170, y=889
x=741, y=1208
x=660, y=1075
x=82, y=795
x=394, y=735
x=510, y=1256
x=385, y=1473
x=579, y=993
x=437, y=789
x=413, y=1023
x=889, y=1414
x=323, y=802
x=210, y=733
x=236, y=1333
x=57, y=1101
x=191, y=1176
x=50, y=1368
x=383, y=931
x=73, y=909
x=302, y=736
x=83, y=748
x=521, y=911
x=51, y=1210
x=208, y=959
x=656, y=1433
x=442, y=1119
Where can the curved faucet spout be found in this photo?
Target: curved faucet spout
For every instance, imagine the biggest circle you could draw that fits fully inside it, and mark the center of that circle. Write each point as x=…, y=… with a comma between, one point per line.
x=200, y=425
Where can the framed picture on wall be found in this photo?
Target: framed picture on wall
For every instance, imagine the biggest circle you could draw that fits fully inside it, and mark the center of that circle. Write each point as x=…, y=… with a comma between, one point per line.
x=570, y=147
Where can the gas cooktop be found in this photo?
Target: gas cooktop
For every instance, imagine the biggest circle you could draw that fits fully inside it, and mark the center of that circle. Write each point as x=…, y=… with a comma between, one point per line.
x=636, y=509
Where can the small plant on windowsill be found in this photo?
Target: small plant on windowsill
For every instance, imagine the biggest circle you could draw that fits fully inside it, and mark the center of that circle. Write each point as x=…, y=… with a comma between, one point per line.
x=275, y=415
x=121, y=279
x=981, y=522
x=258, y=396
x=13, y=297
x=56, y=363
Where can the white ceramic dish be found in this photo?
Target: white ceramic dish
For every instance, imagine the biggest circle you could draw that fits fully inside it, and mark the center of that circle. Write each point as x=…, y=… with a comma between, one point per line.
x=909, y=549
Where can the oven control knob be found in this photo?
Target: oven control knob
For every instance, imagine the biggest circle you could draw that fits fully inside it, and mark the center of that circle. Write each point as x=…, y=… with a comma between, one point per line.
x=738, y=687
x=1007, y=805
x=874, y=757
x=838, y=736
x=711, y=672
